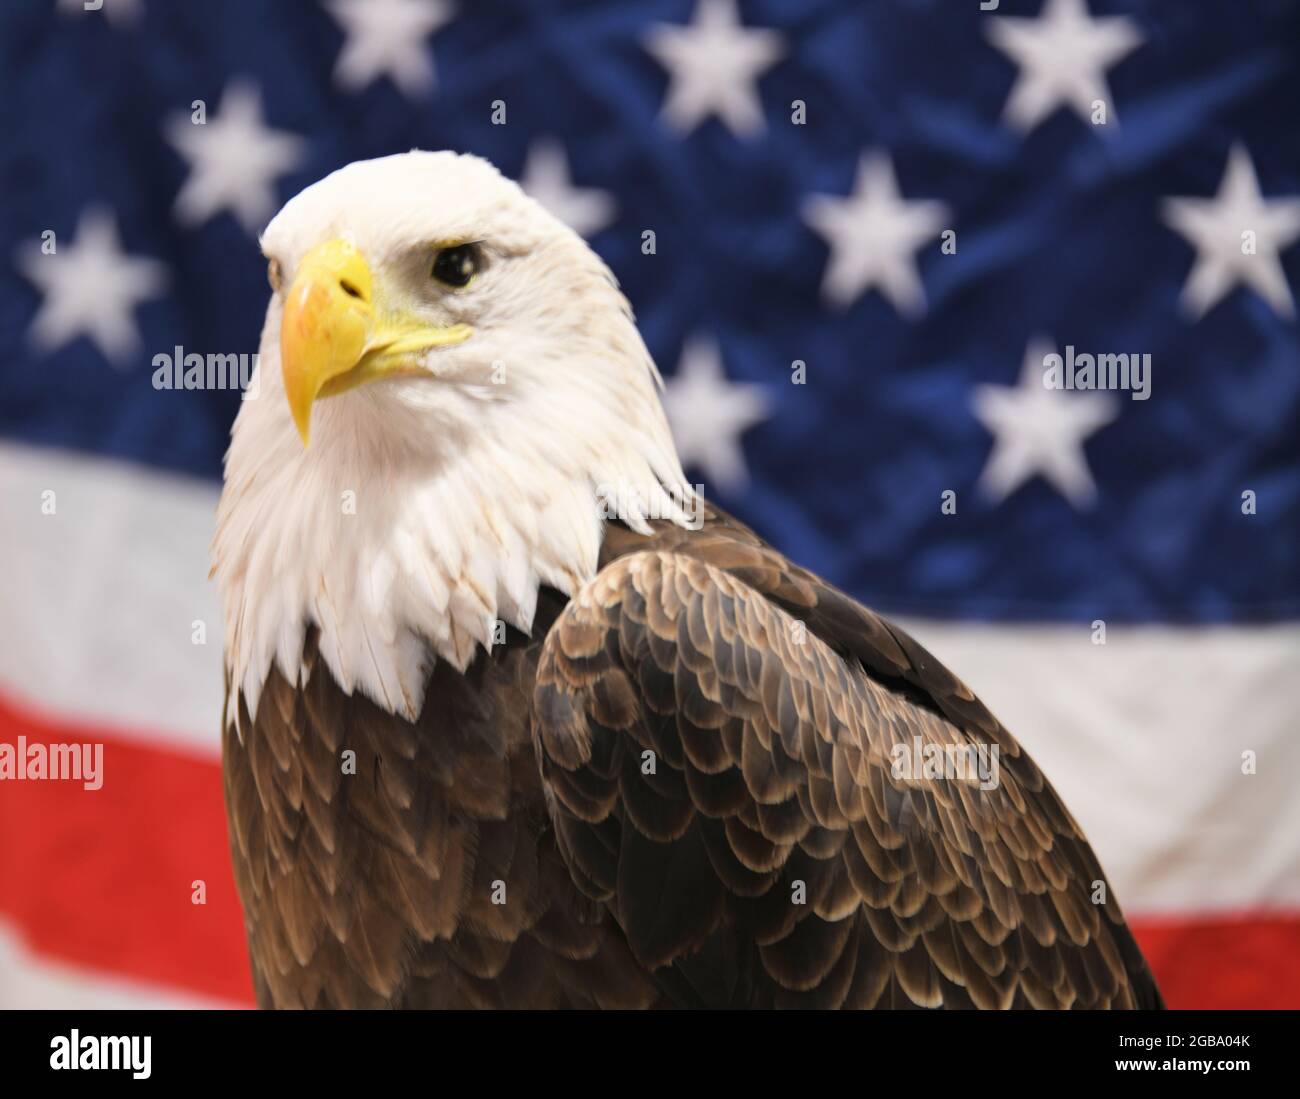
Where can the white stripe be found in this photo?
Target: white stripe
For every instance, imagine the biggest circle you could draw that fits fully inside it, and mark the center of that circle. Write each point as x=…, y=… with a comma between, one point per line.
x=29, y=982
x=1142, y=736
x=100, y=596
x=1143, y=739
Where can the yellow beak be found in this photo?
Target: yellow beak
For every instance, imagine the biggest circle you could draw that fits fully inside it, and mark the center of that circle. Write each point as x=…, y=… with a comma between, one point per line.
x=333, y=338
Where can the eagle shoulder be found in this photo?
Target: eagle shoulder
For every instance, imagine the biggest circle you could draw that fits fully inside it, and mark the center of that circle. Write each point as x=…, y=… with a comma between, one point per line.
x=719, y=734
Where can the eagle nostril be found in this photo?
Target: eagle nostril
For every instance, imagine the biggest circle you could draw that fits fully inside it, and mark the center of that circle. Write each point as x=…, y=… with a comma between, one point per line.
x=350, y=289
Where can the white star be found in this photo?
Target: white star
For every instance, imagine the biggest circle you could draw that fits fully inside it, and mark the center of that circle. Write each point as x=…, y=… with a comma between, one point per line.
x=89, y=288
x=714, y=64
x=1040, y=431
x=874, y=234
x=1215, y=228
x=708, y=414
x=1063, y=57
x=234, y=160
x=387, y=38
x=118, y=11
x=546, y=178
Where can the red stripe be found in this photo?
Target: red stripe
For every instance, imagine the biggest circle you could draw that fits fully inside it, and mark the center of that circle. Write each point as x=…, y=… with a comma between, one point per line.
x=1252, y=961
x=102, y=879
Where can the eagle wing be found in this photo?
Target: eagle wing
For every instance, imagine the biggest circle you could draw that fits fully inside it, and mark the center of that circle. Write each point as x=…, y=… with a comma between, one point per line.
x=715, y=727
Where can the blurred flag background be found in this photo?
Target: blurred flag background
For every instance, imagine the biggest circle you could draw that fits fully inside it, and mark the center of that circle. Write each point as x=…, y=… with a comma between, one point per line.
x=851, y=231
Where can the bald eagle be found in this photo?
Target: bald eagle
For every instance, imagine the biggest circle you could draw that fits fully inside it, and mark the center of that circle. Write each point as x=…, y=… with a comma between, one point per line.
x=514, y=719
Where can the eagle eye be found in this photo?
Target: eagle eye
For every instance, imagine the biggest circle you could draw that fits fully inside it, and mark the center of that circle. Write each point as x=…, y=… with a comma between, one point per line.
x=273, y=275
x=457, y=265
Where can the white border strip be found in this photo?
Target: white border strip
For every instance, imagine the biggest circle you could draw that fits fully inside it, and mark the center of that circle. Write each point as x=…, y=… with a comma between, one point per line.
x=100, y=598
x=29, y=982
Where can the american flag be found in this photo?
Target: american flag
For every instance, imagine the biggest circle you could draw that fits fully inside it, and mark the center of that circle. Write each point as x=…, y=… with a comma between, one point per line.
x=855, y=233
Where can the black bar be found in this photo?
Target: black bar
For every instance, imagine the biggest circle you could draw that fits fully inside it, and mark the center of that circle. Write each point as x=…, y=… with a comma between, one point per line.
x=590, y=1052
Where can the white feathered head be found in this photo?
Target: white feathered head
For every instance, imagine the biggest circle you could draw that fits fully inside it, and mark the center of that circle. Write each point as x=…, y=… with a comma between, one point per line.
x=452, y=396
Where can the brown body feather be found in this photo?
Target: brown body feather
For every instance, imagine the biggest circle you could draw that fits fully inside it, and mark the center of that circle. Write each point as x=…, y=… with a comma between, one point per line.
x=704, y=765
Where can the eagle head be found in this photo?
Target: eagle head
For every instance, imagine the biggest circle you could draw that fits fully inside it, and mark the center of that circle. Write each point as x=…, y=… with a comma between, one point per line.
x=451, y=399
